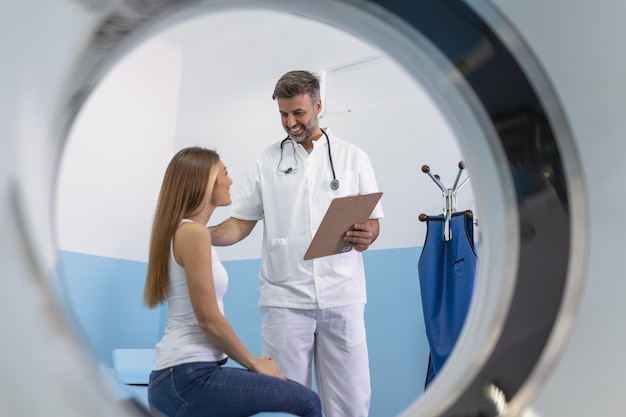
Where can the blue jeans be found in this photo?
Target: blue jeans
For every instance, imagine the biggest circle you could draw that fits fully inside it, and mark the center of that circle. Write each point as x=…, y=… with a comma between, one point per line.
x=206, y=389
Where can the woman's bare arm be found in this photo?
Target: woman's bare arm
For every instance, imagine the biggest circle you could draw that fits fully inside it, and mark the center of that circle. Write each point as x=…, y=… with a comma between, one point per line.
x=192, y=247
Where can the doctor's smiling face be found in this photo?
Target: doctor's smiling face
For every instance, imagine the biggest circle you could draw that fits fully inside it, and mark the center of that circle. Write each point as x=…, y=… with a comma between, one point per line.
x=299, y=118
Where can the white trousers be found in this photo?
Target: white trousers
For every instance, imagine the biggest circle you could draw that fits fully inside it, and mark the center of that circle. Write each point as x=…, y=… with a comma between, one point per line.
x=335, y=339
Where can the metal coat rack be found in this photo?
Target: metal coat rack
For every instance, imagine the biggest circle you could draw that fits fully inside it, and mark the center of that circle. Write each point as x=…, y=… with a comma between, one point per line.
x=449, y=197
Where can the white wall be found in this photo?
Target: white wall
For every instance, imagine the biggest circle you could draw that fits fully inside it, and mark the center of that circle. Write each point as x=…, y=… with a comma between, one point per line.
x=116, y=156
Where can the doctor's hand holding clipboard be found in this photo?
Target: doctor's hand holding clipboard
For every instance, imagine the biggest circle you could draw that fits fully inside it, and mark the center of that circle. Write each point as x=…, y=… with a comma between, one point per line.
x=344, y=226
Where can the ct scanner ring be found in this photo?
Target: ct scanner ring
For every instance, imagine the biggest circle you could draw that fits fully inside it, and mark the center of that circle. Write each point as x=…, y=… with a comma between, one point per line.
x=540, y=178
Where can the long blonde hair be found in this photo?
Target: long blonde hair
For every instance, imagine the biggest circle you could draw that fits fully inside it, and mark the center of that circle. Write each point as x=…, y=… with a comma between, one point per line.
x=188, y=180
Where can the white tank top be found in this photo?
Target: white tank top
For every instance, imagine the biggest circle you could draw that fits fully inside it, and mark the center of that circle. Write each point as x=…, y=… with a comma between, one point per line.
x=183, y=340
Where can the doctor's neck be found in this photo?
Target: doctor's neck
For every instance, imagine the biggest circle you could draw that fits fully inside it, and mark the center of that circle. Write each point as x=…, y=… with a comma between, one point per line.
x=308, y=142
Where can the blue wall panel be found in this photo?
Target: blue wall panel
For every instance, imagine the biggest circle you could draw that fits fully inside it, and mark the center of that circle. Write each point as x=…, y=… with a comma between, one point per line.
x=395, y=329
x=104, y=297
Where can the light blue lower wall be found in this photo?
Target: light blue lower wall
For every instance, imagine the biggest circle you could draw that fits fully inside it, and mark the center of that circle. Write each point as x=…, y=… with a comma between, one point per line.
x=103, y=296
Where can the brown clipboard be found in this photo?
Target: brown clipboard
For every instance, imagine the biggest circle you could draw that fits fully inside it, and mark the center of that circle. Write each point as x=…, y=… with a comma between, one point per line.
x=342, y=213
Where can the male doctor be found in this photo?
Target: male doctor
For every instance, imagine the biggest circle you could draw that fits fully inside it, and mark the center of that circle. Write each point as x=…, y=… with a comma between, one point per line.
x=311, y=311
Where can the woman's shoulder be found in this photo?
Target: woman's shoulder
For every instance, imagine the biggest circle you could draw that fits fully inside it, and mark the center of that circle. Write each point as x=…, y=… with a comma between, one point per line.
x=194, y=230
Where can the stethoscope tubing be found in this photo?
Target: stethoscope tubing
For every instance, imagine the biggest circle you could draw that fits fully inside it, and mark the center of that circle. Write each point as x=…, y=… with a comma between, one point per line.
x=334, y=184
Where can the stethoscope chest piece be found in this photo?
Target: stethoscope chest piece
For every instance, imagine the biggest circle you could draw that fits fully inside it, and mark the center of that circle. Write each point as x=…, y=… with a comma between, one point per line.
x=334, y=184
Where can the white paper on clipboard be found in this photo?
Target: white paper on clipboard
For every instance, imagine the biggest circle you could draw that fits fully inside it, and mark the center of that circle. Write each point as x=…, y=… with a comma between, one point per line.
x=342, y=213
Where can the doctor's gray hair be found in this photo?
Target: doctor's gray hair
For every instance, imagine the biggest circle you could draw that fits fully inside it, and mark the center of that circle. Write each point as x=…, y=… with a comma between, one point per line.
x=295, y=83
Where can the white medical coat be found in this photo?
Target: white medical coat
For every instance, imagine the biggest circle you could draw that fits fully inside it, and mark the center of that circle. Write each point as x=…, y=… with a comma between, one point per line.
x=292, y=206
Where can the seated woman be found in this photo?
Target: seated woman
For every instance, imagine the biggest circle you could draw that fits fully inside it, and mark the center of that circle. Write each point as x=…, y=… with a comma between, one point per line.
x=188, y=377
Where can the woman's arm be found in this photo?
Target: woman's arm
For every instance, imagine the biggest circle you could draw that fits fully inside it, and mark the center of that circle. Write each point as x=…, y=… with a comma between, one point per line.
x=192, y=249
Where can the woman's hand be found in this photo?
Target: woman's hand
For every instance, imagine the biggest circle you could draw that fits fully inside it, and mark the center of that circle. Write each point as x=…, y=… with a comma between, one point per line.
x=267, y=366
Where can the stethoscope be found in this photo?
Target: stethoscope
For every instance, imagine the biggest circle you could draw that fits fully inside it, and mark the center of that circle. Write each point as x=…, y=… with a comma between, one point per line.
x=334, y=184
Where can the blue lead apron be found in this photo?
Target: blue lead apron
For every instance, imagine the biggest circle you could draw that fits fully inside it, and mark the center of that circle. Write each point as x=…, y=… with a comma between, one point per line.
x=446, y=274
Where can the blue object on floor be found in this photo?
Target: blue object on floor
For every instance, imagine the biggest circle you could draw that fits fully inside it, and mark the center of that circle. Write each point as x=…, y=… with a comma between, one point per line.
x=133, y=366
